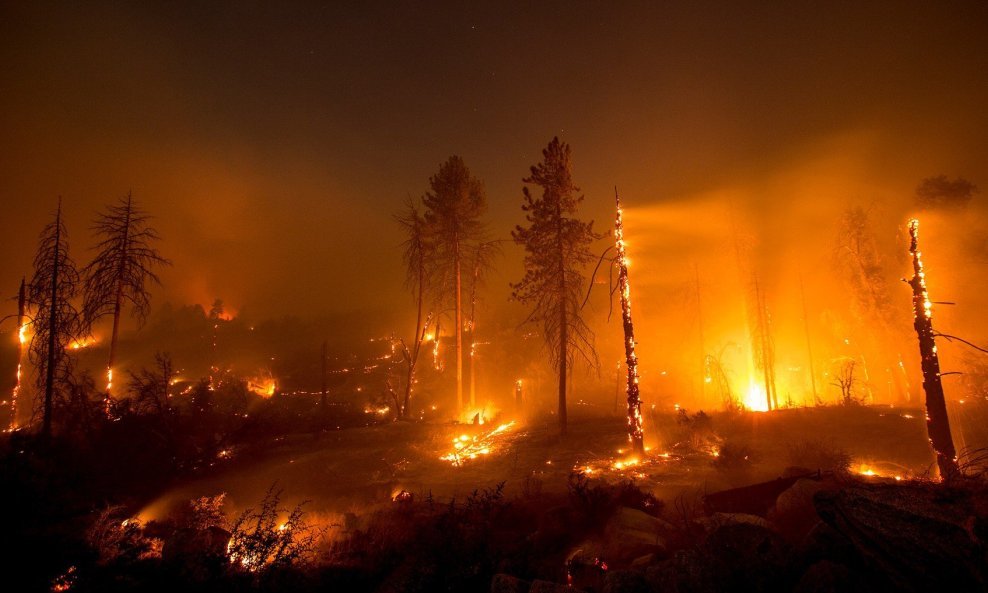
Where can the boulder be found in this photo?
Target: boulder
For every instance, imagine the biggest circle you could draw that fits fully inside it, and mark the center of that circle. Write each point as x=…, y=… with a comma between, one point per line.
x=748, y=557
x=625, y=581
x=825, y=577
x=505, y=583
x=631, y=534
x=794, y=514
x=917, y=536
x=540, y=586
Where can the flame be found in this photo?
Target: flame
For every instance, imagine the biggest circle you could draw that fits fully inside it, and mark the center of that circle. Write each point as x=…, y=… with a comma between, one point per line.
x=81, y=343
x=754, y=398
x=479, y=416
x=466, y=447
x=873, y=470
x=263, y=385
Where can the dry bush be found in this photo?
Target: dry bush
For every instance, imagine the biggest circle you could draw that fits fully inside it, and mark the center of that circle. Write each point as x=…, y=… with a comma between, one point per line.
x=819, y=455
x=734, y=457
x=258, y=541
x=115, y=538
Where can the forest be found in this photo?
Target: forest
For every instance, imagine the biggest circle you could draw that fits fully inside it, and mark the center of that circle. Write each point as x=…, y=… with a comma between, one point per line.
x=563, y=297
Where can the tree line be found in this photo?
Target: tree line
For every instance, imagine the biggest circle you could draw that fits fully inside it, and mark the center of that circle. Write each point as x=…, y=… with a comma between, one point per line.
x=62, y=302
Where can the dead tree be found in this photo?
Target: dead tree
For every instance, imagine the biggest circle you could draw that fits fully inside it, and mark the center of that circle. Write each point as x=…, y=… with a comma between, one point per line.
x=57, y=323
x=418, y=256
x=937, y=422
x=635, y=432
x=556, y=252
x=21, y=339
x=121, y=272
x=845, y=380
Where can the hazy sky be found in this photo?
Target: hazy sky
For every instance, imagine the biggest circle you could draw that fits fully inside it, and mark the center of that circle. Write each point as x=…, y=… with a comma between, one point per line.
x=274, y=140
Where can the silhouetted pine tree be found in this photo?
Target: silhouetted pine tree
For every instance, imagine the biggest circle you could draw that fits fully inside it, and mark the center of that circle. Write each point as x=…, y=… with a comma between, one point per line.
x=57, y=322
x=454, y=206
x=556, y=251
x=122, y=270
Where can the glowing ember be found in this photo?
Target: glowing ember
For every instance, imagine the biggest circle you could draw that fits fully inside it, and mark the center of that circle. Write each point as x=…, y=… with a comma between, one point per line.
x=466, y=447
x=65, y=581
x=880, y=470
x=755, y=398
x=81, y=343
x=263, y=385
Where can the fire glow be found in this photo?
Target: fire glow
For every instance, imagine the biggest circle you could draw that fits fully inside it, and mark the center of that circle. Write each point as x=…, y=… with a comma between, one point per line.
x=466, y=447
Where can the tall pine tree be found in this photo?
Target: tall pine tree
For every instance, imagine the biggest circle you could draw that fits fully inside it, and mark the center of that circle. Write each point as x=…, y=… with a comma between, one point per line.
x=454, y=206
x=556, y=252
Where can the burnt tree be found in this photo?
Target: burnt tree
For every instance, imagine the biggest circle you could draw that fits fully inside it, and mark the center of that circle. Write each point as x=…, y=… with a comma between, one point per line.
x=121, y=272
x=937, y=423
x=635, y=432
x=418, y=256
x=57, y=322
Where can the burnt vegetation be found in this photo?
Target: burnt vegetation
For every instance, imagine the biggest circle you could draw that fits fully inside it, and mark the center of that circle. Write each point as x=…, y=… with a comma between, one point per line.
x=820, y=496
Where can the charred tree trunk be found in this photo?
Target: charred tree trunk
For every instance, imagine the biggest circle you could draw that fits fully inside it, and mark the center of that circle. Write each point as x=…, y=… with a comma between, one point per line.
x=459, y=328
x=21, y=313
x=117, y=307
x=937, y=423
x=563, y=323
x=635, y=434
x=472, y=324
x=52, y=330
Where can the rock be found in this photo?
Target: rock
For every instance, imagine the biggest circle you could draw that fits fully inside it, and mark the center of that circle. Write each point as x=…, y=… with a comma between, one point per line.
x=716, y=520
x=916, y=536
x=748, y=557
x=505, y=583
x=688, y=571
x=824, y=577
x=539, y=586
x=794, y=513
x=642, y=562
x=585, y=568
x=631, y=534
x=625, y=581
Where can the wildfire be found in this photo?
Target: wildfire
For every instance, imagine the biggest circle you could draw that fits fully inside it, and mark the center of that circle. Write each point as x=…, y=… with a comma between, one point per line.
x=755, y=399
x=479, y=416
x=264, y=385
x=878, y=470
x=21, y=340
x=466, y=447
x=81, y=343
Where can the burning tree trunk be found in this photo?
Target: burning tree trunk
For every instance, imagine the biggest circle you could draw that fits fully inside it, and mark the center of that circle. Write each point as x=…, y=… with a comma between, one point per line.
x=635, y=434
x=937, y=423
x=21, y=328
